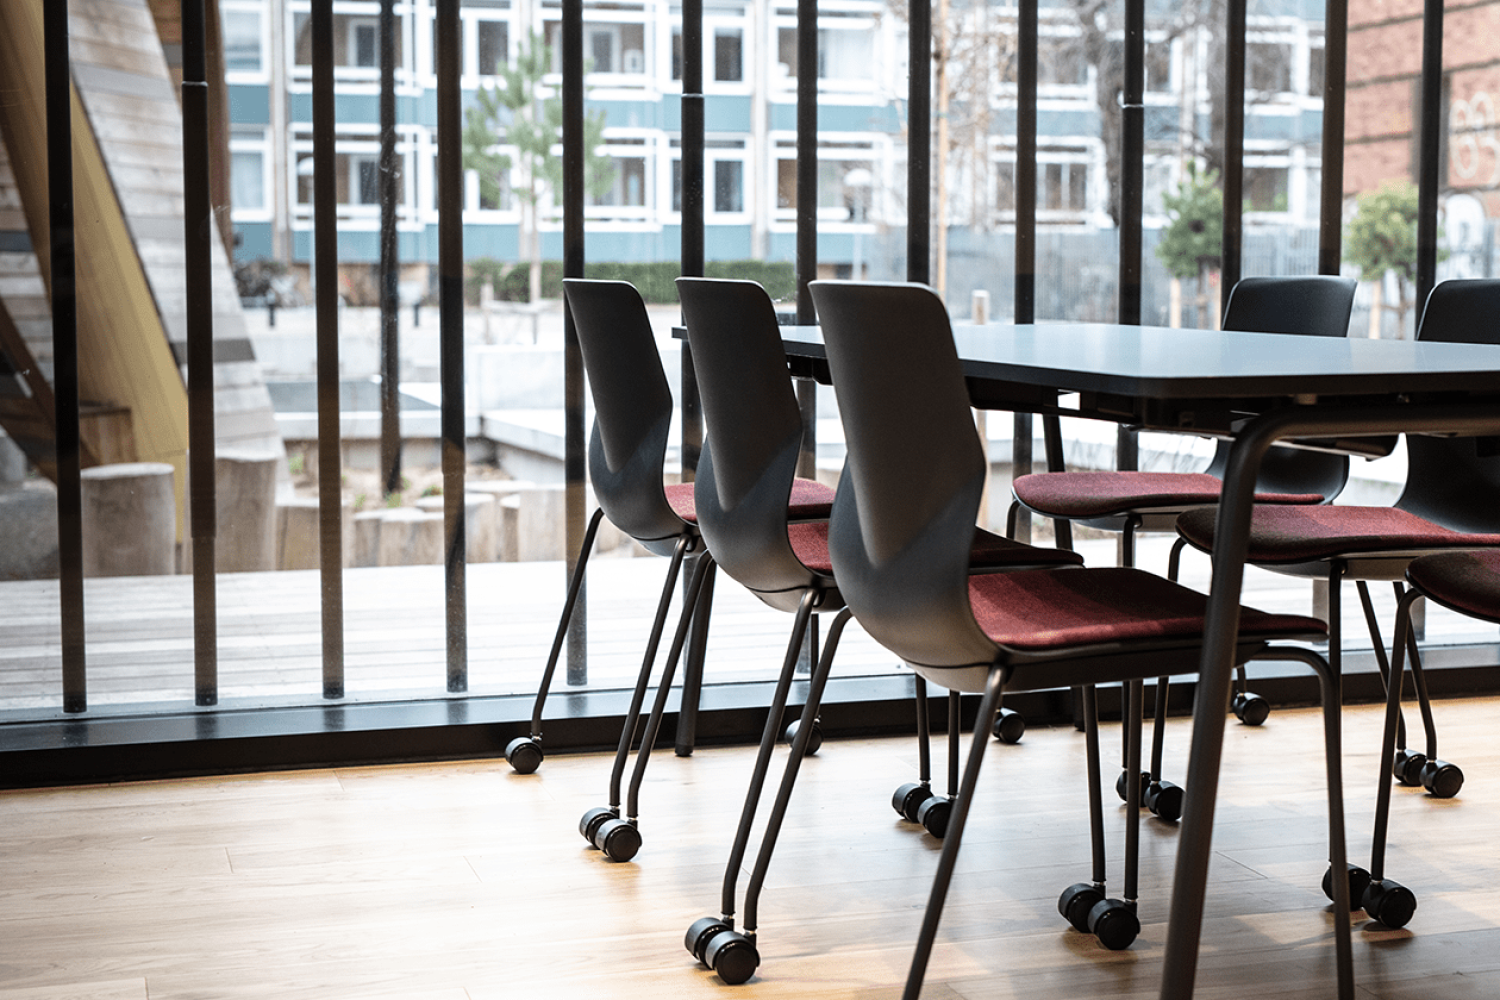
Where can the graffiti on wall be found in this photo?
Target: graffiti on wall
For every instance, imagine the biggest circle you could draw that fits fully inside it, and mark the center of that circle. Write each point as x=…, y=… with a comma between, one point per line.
x=1473, y=145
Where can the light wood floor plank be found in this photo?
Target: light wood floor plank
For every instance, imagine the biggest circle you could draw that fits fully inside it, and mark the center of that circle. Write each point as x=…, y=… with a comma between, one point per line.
x=463, y=881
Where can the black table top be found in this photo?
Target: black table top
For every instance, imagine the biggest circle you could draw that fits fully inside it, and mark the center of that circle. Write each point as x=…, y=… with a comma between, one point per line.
x=1182, y=378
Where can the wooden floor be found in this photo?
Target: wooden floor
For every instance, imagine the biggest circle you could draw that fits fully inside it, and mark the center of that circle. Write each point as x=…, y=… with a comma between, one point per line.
x=465, y=882
x=139, y=631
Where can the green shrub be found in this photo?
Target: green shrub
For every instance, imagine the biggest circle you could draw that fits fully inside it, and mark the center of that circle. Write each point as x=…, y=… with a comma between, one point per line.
x=654, y=279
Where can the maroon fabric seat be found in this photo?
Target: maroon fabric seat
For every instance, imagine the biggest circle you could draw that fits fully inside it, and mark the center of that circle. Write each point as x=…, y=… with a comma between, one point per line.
x=1082, y=495
x=1039, y=610
x=809, y=501
x=1291, y=535
x=1468, y=582
x=990, y=551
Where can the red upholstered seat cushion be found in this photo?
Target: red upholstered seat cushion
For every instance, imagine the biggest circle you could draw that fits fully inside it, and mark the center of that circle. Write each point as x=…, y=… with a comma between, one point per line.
x=809, y=500
x=1306, y=534
x=990, y=551
x=1465, y=581
x=1077, y=495
x=1039, y=610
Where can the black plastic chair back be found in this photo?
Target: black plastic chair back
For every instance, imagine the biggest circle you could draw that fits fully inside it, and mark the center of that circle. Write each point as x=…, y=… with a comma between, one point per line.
x=632, y=410
x=1317, y=306
x=904, y=517
x=1455, y=482
x=752, y=434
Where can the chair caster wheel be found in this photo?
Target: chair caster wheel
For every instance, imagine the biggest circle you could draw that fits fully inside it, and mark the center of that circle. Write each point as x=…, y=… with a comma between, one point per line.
x=1077, y=902
x=524, y=755
x=1009, y=726
x=1407, y=768
x=700, y=933
x=1122, y=786
x=814, y=741
x=908, y=799
x=1390, y=903
x=1442, y=779
x=614, y=836
x=733, y=956
x=1164, y=799
x=1250, y=708
x=934, y=813
x=1114, y=923
x=1359, y=881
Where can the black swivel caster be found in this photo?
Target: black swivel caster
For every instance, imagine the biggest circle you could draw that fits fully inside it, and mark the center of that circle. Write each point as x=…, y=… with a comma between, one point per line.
x=1250, y=708
x=730, y=954
x=1122, y=785
x=1390, y=903
x=934, y=813
x=1009, y=726
x=814, y=742
x=908, y=799
x=604, y=829
x=1114, y=923
x=1442, y=779
x=1077, y=902
x=1407, y=768
x=524, y=755
x=1359, y=881
x=1164, y=799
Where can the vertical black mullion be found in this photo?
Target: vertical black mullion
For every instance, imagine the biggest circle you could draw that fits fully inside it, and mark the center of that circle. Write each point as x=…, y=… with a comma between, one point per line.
x=451, y=336
x=1429, y=148
x=1234, y=147
x=1132, y=165
x=390, y=344
x=1132, y=183
x=1331, y=198
x=325, y=264
x=919, y=144
x=1024, y=306
x=807, y=215
x=573, y=266
x=65, y=355
x=198, y=230
x=692, y=216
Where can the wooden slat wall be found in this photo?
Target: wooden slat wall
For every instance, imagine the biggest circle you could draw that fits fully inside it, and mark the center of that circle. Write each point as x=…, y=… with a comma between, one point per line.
x=132, y=103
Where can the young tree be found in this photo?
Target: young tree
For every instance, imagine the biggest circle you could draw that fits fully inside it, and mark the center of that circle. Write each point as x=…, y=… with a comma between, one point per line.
x=1192, y=244
x=1382, y=237
x=521, y=112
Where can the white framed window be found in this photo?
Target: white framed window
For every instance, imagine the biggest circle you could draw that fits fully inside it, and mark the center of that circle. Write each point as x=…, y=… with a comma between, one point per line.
x=615, y=42
x=848, y=48
x=356, y=40
x=249, y=175
x=243, y=26
x=630, y=196
x=356, y=175
x=1067, y=178
x=728, y=50
x=847, y=178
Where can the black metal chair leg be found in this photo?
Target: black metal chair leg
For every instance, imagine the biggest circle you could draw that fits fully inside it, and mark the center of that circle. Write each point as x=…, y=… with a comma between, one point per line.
x=702, y=573
x=525, y=752
x=603, y=826
x=908, y=799
x=692, y=674
x=988, y=707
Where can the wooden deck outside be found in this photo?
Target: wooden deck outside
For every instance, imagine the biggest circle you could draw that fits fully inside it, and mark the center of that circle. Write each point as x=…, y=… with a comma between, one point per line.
x=140, y=631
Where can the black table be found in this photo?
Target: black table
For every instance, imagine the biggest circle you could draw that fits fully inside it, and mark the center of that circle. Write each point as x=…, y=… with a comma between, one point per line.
x=1256, y=388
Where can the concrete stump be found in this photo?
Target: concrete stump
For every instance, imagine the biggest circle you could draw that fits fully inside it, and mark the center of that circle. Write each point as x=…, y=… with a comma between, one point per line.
x=129, y=520
x=298, y=538
x=411, y=537
x=367, y=537
x=481, y=527
x=245, y=495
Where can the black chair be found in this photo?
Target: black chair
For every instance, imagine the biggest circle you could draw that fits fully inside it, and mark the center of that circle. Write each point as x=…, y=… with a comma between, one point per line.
x=752, y=439
x=1464, y=581
x=627, y=451
x=1130, y=502
x=897, y=539
x=1451, y=500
